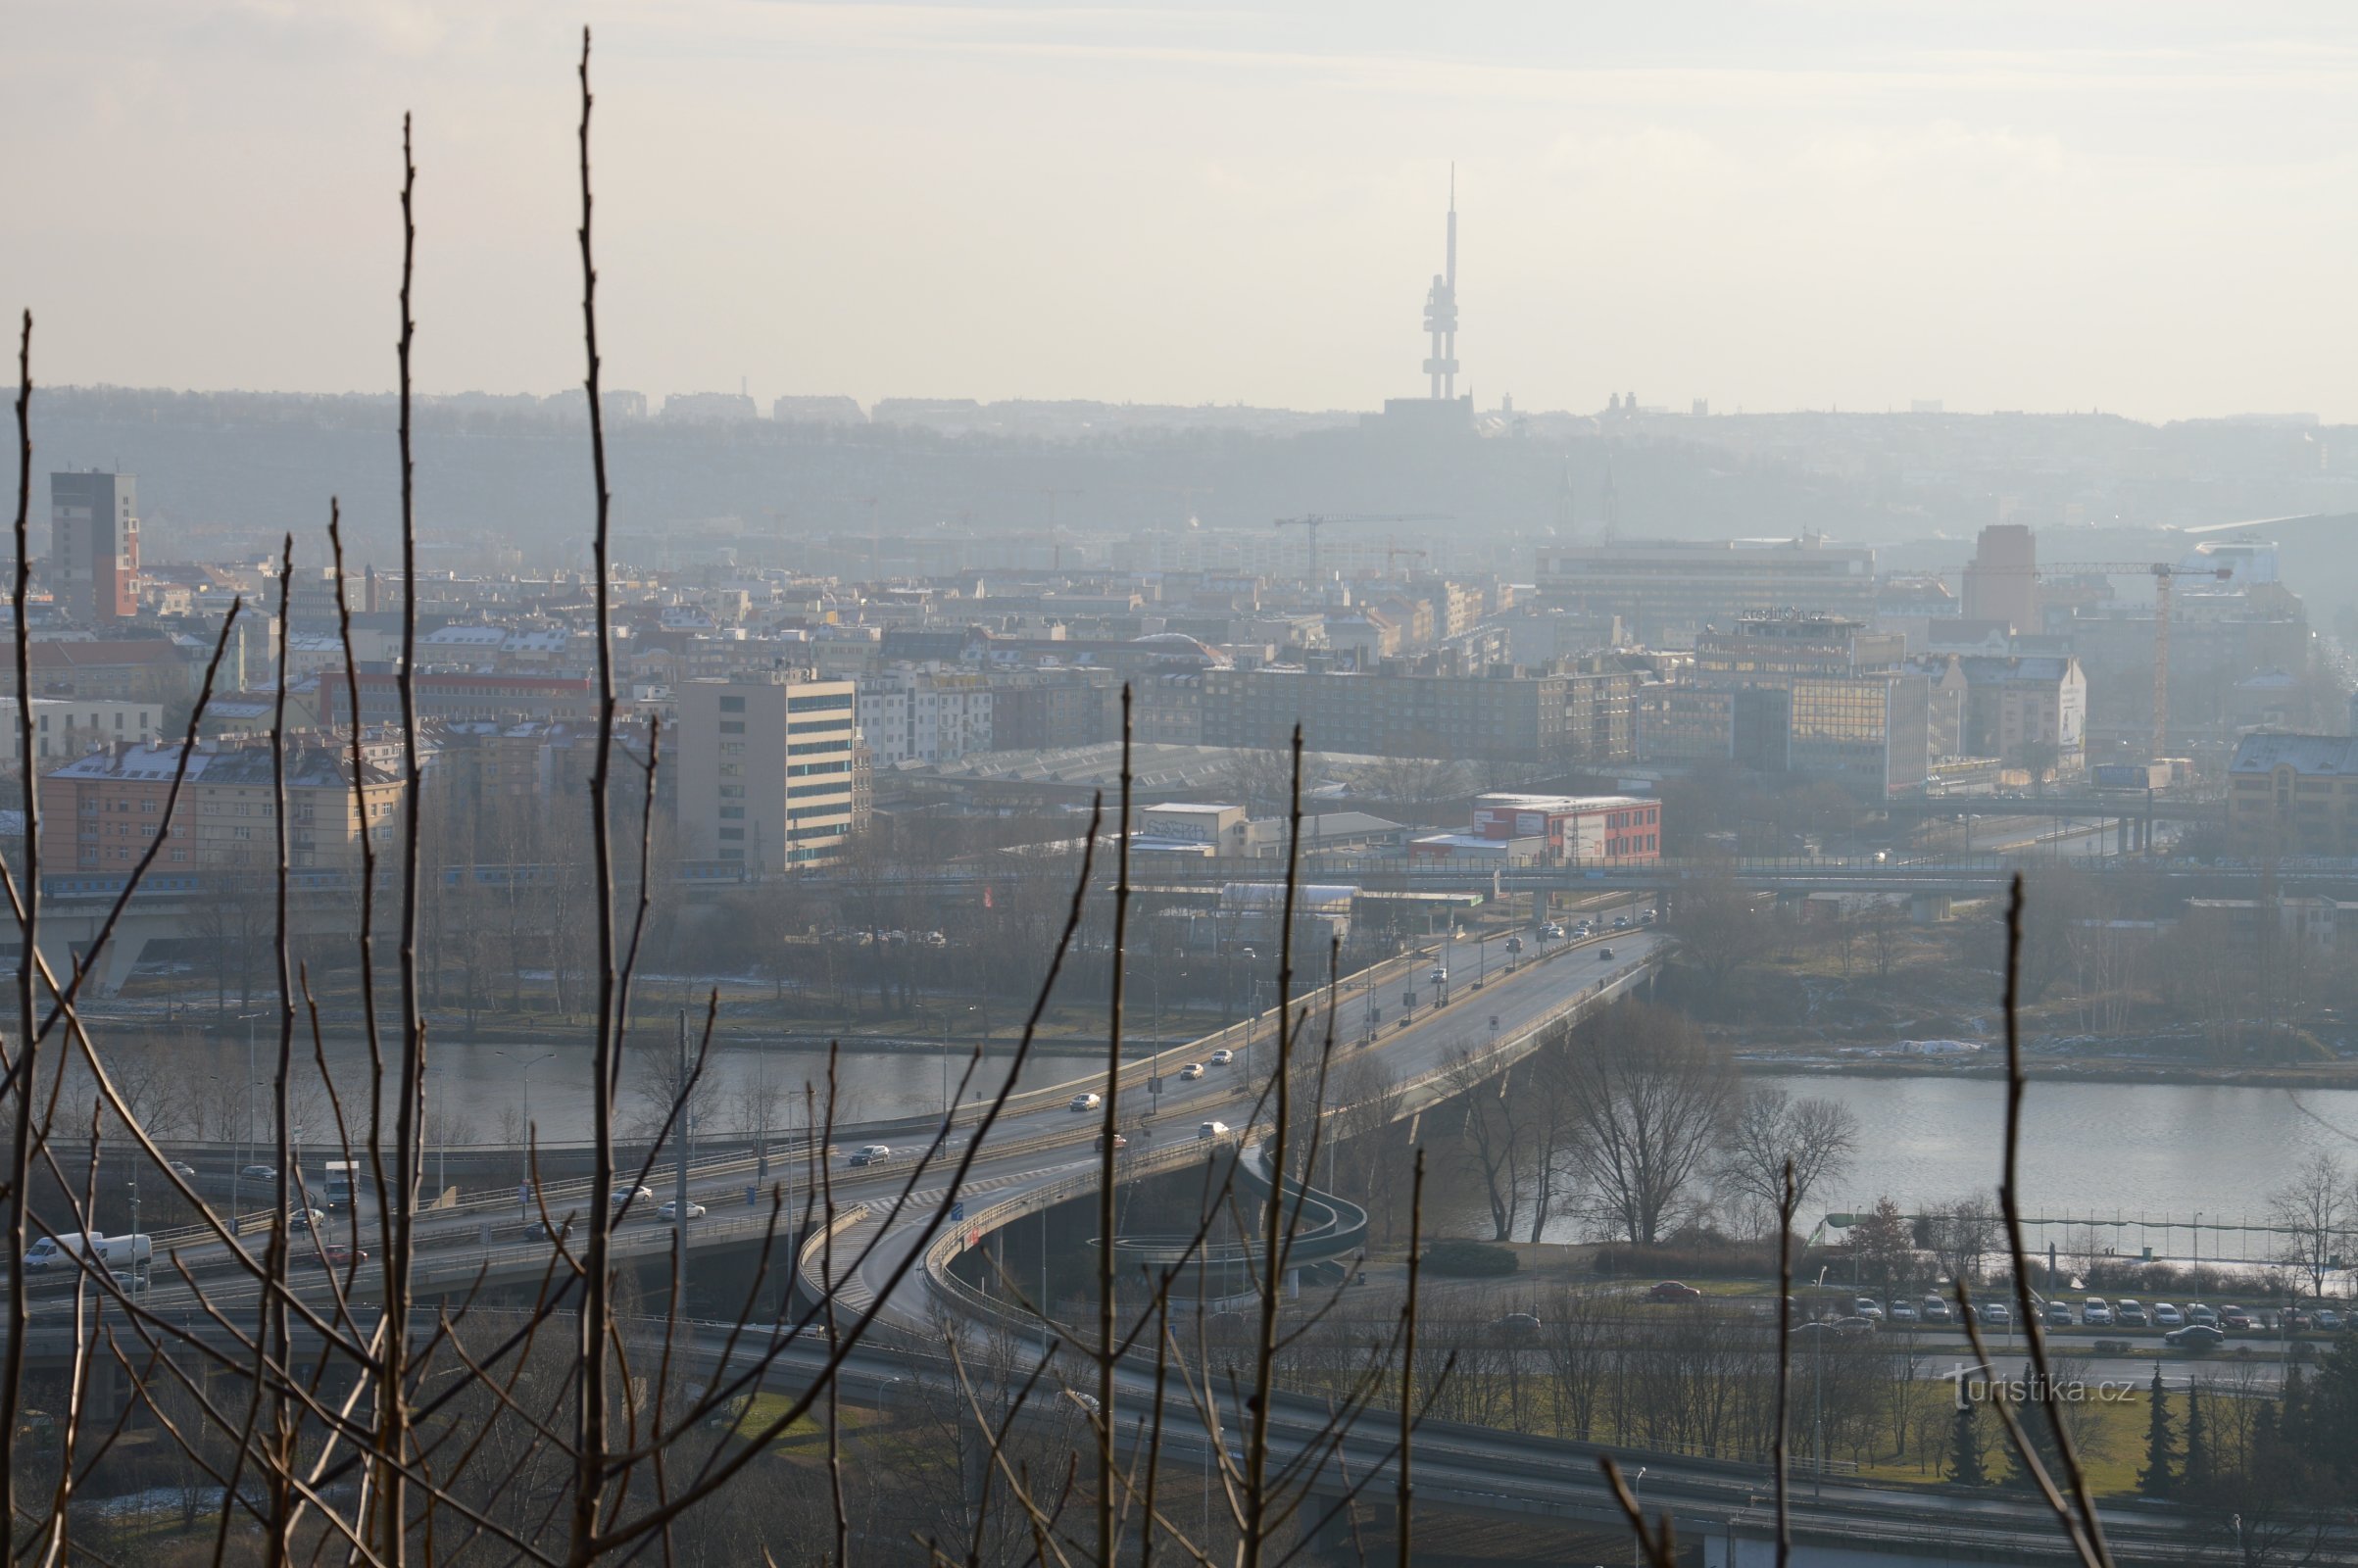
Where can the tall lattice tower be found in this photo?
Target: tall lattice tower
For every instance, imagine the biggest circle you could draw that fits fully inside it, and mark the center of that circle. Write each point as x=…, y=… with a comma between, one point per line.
x=1441, y=312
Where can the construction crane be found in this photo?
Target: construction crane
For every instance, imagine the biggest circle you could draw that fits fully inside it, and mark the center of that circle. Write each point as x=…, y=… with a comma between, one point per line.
x=1314, y=521
x=2162, y=573
x=1394, y=552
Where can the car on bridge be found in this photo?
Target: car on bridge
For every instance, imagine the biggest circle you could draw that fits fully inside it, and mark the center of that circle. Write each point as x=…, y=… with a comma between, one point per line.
x=1119, y=1142
x=259, y=1173
x=1604, y=954
x=1190, y=1072
x=1221, y=1057
x=629, y=1194
x=337, y=1255
x=1086, y=1102
x=1212, y=1129
x=670, y=1210
x=866, y=1154
x=301, y=1220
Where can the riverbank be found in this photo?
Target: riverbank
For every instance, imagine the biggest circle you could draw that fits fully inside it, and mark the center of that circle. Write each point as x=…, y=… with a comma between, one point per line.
x=1989, y=1064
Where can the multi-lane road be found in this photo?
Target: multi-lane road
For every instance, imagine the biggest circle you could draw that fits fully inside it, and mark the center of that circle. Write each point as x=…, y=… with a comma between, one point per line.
x=1492, y=997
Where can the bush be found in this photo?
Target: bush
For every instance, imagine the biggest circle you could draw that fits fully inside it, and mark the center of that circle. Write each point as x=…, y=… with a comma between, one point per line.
x=1469, y=1259
x=1699, y=1257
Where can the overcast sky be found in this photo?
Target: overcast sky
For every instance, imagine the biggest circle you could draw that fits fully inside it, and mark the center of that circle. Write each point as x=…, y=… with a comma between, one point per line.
x=2142, y=208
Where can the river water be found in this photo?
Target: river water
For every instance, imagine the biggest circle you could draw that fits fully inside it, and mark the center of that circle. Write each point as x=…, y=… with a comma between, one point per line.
x=2101, y=1155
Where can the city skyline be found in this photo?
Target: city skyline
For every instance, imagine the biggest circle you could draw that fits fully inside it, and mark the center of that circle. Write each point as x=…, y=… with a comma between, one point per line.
x=1834, y=210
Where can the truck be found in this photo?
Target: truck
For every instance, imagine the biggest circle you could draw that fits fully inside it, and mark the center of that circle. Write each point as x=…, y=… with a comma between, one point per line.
x=338, y=1179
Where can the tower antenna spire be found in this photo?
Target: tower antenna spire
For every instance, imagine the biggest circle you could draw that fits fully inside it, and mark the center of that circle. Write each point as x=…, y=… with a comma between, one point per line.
x=1441, y=312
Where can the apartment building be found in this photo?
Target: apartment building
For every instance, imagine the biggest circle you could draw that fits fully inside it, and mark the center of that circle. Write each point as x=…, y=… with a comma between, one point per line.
x=1504, y=714
x=908, y=715
x=765, y=765
x=67, y=727
x=2293, y=795
x=102, y=811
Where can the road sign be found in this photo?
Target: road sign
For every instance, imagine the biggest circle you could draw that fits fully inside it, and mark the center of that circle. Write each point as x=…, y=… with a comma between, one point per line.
x=957, y=1211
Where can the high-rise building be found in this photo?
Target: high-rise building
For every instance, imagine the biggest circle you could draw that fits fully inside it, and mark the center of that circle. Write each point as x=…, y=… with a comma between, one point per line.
x=2001, y=583
x=766, y=771
x=94, y=544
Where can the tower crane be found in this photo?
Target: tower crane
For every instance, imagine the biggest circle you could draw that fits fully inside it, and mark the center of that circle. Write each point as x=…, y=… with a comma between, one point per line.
x=2162, y=573
x=1313, y=521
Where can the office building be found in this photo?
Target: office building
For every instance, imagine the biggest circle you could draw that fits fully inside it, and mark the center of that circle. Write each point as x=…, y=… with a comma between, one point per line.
x=1813, y=694
x=766, y=771
x=1667, y=591
x=93, y=563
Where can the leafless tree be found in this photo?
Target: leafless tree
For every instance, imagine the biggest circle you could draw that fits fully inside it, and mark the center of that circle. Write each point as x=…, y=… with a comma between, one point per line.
x=2314, y=1216
x=1649, y=1097
x=1771, y=1133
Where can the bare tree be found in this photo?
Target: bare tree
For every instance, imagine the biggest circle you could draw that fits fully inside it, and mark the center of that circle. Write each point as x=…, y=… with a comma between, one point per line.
x=1723, y=927
x=1961, y=1232
x=1773, y=1133
x=1649, y=1097
x=2314, y=1216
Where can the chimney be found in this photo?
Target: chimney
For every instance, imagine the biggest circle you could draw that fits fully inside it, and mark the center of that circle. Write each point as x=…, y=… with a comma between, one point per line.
x=371, y=595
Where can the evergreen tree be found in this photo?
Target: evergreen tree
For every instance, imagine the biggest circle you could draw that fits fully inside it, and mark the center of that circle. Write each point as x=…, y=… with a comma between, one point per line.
x=2040, y=1429
x=1965, y=1467
x=2157, y=1479
x=2194, y=1480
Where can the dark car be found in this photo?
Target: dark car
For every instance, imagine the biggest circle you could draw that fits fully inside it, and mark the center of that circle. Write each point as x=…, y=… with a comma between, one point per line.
x=337, y=1255
x=1604, y=954
x=1673, y=1291
x=2195, y=1336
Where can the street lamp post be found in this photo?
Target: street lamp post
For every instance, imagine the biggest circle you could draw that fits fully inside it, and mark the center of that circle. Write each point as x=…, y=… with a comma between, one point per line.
x=245, y=1154
x=1637, y=1493
x=523, y=1188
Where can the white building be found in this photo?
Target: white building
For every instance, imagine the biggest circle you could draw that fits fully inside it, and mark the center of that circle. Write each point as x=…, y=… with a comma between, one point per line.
x=67, y=727
x=908, y=715
x=766, y=771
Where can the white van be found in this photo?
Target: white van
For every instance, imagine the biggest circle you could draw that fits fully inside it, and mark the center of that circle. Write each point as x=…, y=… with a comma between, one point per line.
x=50, y=1251
x=127, y=1252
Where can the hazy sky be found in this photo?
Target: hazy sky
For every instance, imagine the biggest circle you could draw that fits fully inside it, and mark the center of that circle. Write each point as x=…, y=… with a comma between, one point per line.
x=2144, y=208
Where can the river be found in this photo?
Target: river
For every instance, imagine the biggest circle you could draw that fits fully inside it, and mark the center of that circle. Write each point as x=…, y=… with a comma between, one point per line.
x=2103, y=1153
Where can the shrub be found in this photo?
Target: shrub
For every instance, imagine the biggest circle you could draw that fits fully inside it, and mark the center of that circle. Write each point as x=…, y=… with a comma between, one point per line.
x=1693, y=1259
x=1469, y=1259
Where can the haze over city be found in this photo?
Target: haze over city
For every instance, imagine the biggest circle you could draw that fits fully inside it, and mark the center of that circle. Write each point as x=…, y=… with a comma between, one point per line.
x=1086, y=785
x=1771, y=208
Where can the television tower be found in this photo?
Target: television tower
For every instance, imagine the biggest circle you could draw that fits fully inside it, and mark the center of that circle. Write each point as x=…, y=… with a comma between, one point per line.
x=1441, y=312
